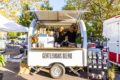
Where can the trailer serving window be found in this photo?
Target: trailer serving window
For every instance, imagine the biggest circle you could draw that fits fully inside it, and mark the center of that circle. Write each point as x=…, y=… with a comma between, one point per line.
x=45, y=49
x=51, y=37
x=47, y=30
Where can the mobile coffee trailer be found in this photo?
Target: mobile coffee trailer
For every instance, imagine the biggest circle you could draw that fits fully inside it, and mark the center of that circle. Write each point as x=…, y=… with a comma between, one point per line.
x=57, y=58
x=111, y=32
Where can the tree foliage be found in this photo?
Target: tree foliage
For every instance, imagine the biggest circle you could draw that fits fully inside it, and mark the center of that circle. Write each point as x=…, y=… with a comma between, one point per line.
x=26, y=17
x=99, y=10
x=12, y=9
x=69, y=7
x=46, y=6
x=12, y=34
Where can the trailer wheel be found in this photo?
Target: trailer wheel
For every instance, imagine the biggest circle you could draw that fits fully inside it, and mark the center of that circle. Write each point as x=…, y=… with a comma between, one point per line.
x=109, y=65
x=57, y=71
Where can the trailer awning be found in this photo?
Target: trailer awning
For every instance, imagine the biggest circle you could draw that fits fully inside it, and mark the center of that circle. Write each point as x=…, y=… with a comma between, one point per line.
x=56, y=15
x=65, y=18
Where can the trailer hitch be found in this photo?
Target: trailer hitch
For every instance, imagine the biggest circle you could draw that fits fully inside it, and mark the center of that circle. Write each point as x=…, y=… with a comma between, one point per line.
x=36, y=69
x=74, y=71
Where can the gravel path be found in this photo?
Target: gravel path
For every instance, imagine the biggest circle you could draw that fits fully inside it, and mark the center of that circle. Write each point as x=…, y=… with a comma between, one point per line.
x=11, y=70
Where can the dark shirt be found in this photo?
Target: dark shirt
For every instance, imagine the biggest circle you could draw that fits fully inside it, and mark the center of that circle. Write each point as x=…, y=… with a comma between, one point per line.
x=71, y=36
x=60, y=38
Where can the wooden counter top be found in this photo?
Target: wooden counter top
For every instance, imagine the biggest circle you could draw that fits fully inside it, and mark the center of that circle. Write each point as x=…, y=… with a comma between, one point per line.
x=61, y=48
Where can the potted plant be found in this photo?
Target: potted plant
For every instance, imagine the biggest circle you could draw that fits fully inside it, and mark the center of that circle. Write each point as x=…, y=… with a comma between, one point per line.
x=2, y=63
x=111, y=73
x=34, y=40
x=24, y=68
x=78, y=41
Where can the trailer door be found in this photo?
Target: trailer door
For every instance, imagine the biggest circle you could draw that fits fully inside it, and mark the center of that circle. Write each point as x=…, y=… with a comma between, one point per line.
x=113, y=45
x=118, y=43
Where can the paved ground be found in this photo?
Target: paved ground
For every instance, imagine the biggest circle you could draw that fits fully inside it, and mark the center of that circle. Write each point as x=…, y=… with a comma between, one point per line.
x=11, y=70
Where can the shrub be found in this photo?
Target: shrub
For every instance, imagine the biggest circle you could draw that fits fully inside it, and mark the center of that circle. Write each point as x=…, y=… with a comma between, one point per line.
x=2, y=60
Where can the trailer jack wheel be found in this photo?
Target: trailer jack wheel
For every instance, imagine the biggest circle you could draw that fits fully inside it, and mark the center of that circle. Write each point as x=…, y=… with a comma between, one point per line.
x=57, y=71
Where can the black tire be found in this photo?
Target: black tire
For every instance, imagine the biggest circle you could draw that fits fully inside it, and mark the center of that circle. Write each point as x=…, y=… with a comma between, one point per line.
x=109, y=64
x=85, y=69
x=57, y=68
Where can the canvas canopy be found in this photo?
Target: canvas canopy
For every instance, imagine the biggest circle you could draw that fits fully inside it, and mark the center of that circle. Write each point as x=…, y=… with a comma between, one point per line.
x=56, y=17
x=7, y=25
x=3, y=28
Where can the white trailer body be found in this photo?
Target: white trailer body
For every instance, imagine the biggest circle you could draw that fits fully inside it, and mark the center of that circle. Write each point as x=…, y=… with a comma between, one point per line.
x=111, y=31
x=67, y=57
x=76, y=57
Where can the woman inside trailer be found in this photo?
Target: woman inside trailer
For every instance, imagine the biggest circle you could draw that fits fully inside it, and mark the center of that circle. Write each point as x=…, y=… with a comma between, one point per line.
x=60, y=36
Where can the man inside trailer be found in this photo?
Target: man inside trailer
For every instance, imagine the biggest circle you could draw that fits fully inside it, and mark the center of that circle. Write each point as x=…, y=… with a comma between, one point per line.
x=72, y=33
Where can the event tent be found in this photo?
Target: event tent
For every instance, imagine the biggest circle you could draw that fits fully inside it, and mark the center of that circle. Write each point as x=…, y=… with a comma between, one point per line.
x=3, y=28
x=7, y=25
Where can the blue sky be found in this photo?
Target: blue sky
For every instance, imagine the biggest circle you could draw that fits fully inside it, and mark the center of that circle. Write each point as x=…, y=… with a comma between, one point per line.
x=57, y=4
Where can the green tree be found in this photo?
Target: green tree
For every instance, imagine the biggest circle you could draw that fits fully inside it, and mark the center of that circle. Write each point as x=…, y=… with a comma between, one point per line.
x=99, y=10
x=69, y=7
x=26, y=17
x=46, y=6
x=12, y=34
x=13, y=8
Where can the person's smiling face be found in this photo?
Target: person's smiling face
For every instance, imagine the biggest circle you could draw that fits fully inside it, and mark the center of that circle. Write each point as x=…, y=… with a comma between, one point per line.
x=61, y=29
x=71, y=29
